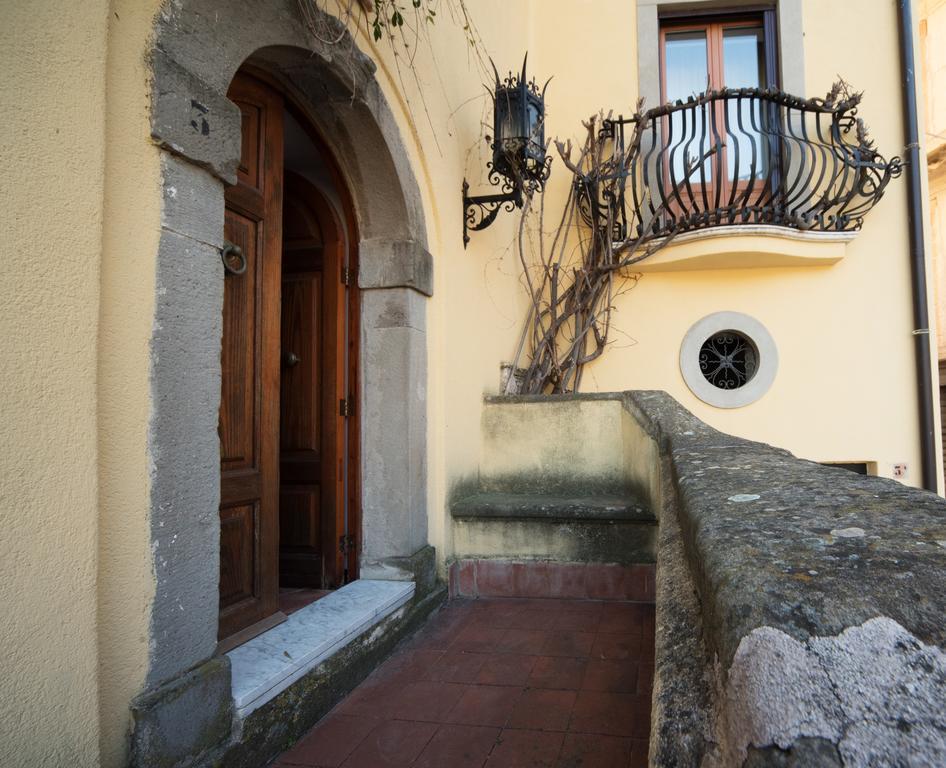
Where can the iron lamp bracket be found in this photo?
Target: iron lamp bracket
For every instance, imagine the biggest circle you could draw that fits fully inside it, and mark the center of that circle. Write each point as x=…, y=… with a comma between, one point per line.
x=479, y=211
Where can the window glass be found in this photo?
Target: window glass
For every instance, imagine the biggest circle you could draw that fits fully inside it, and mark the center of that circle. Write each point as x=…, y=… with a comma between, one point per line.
x=686, y=60
x=744, y=67
x=743, y=57
x=687, y=74
x=714, y=55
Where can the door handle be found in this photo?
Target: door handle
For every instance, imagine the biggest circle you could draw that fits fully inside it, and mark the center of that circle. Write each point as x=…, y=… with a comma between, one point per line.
x=233, y=258
x=291, y=359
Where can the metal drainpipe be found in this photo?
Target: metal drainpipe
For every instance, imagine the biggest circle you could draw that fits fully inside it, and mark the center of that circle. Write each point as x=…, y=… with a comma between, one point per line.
x=921, y=313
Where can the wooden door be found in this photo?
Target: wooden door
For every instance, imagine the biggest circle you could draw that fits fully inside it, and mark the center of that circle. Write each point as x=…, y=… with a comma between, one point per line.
x=313, y=475
x=249, y=404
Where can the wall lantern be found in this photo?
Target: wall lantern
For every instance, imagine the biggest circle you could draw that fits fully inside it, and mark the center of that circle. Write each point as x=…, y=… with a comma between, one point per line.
x=520, y=163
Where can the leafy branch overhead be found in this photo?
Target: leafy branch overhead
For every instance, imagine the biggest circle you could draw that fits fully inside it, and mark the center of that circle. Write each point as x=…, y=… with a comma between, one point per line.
x=382, y=8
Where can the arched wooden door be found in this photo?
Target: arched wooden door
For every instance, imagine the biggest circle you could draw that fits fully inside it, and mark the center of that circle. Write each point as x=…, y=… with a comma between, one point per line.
x=312, y=396
x=285, y=473
x=249, y=403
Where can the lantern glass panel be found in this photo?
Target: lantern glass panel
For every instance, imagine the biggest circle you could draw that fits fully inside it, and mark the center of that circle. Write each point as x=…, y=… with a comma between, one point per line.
x=508, y=115
x=536, y=131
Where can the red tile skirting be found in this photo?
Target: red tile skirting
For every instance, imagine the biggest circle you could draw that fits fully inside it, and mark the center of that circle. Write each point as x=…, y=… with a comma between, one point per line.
x=581, y=581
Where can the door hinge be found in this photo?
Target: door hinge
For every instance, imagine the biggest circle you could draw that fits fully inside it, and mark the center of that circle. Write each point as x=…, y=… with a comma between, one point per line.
x=344, y=407
x=346, y=275
x=346, y=544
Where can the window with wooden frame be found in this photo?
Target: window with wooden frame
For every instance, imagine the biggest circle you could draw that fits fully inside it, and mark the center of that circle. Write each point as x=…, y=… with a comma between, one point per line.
x=727, y=137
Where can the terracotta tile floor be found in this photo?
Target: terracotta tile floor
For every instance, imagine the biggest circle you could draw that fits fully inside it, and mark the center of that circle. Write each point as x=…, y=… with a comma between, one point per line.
x=504, y=682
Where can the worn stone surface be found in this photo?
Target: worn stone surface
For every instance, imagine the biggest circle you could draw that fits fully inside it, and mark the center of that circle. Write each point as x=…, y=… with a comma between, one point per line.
x=179, y=723
x=874, y=691
x=193, y=201
x=185, y=455
x=683, y=695
x=193, y=119
x=822, y=596
x=803, y=753
x=395, y=264
x=774, y=562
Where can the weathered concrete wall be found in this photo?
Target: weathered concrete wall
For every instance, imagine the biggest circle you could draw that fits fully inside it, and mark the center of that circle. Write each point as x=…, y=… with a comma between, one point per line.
x=552, y=446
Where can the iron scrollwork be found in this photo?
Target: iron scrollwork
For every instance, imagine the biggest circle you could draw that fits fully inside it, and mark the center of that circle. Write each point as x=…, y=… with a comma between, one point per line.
x=737, y=156
x=520, y=163
x=728, y=360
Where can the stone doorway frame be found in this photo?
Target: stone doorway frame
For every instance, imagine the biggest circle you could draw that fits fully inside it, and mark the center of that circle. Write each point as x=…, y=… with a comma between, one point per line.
x=198, y=46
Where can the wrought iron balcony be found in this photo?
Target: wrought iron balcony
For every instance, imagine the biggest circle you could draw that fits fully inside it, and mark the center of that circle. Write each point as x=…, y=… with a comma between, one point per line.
x=734, y=157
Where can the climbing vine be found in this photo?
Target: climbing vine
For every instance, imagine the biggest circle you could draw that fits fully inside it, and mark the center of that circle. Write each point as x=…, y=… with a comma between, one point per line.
x=400, y=25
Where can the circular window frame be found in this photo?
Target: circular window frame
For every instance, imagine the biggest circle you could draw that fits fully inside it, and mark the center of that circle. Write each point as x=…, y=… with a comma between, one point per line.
x=758, y=335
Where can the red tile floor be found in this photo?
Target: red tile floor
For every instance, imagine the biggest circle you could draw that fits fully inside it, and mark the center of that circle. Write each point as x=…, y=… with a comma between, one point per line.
x=499, y=683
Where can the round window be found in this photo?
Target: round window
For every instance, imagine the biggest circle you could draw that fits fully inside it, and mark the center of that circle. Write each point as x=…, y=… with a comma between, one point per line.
x=728, y=359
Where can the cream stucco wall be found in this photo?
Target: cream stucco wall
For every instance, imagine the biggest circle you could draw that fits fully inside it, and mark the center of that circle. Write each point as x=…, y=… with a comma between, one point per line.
x=52, y=155
x=81, y=194
x=132, y=205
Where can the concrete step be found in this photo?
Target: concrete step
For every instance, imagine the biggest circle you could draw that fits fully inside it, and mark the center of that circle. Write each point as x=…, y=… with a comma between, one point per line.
x=552, y=508
x=568, y=528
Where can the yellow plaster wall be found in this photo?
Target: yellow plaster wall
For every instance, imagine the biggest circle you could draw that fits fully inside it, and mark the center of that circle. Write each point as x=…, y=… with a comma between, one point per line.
x=52, y=164
x=132, y=204
x=833, y=400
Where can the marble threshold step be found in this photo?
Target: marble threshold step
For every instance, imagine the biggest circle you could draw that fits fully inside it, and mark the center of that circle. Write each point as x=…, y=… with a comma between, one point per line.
x=265, y=666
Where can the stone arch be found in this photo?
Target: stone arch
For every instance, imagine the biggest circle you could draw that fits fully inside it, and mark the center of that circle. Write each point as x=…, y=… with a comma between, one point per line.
x=198, y=46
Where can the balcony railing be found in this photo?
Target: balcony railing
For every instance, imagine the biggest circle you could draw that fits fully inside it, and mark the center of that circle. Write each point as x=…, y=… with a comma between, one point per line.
x=735, y=157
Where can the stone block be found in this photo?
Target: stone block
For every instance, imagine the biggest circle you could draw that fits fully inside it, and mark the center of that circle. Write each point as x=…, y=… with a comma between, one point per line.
x=184, y=719
x=395, y=264
x=193, y=202
x=193, y=119
x=185, y=454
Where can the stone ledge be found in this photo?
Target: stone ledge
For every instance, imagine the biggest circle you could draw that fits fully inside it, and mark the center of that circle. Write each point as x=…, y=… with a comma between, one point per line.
x=511, y=506
x=275, y=726
x=822, y=598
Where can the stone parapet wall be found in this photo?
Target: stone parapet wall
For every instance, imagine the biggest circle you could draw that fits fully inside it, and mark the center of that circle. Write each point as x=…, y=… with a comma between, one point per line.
x=801, y=609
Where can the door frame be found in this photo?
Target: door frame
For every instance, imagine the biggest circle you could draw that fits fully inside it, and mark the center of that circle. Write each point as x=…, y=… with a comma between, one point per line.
x=197, y=131
x=345, y=548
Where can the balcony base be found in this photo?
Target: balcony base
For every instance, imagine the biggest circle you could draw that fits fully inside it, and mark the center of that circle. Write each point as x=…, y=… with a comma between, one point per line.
x=748, y=246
